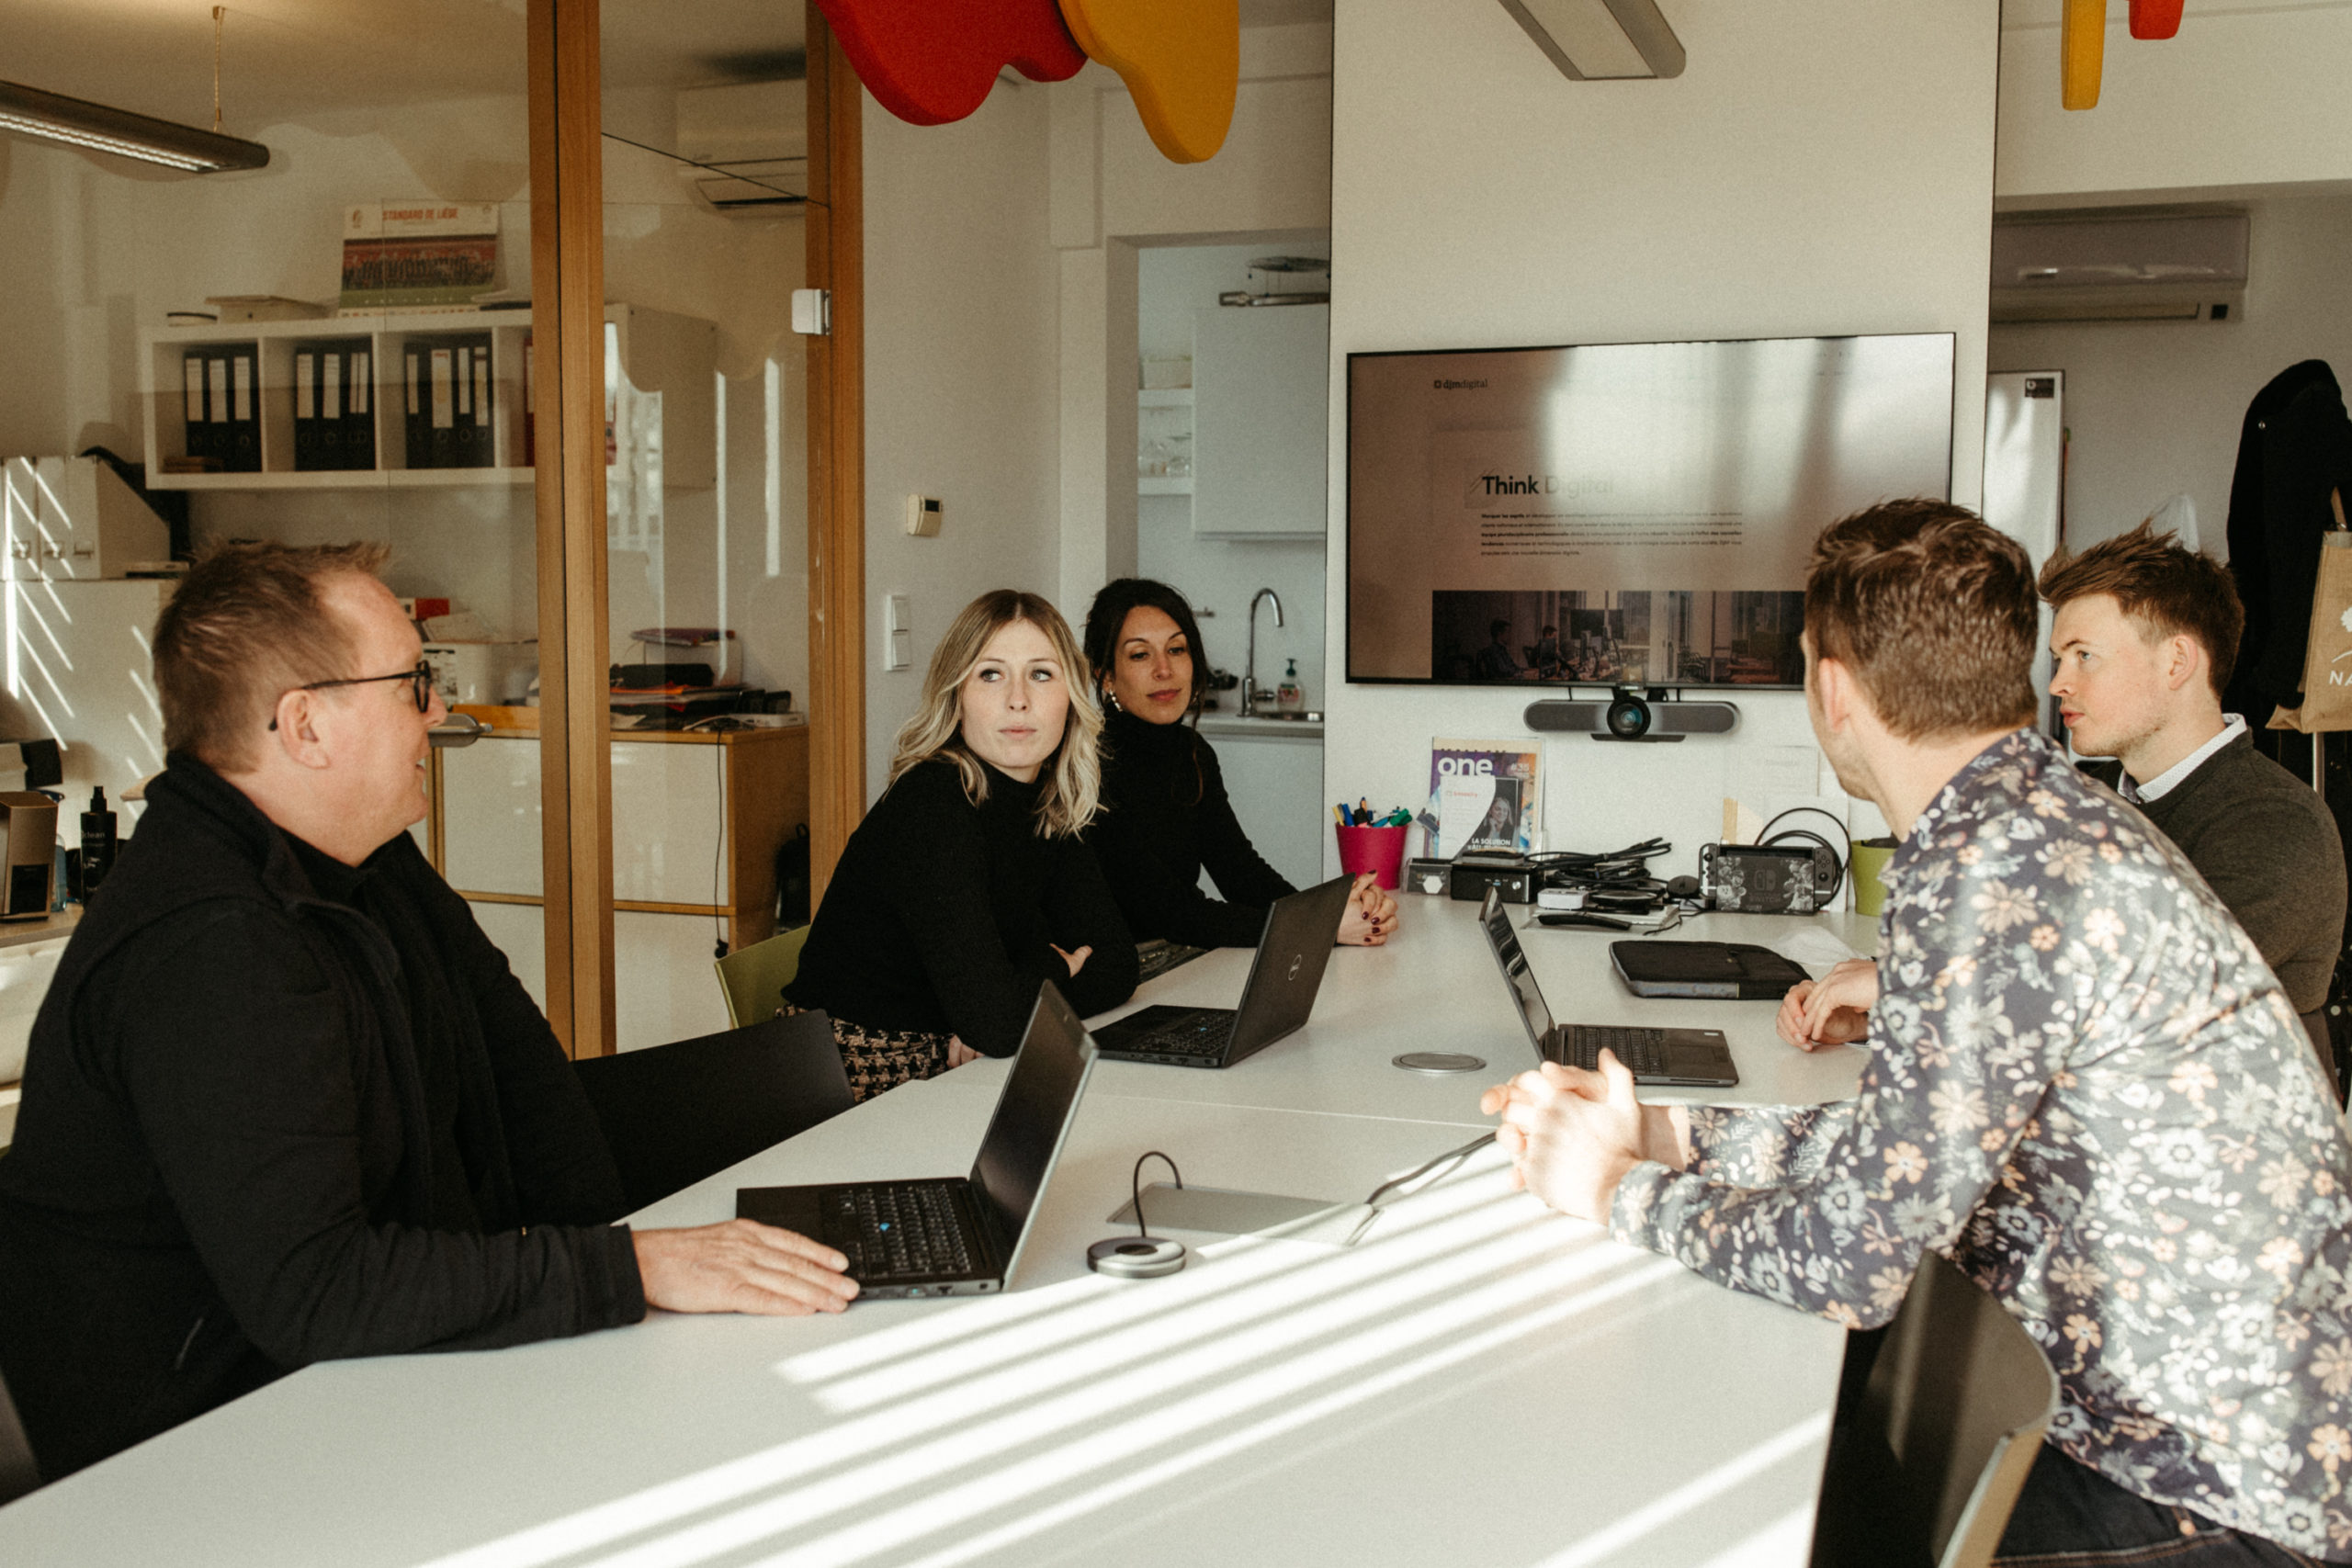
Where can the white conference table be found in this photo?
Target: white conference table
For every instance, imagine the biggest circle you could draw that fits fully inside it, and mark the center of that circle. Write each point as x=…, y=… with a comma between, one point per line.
x=1476, y=1378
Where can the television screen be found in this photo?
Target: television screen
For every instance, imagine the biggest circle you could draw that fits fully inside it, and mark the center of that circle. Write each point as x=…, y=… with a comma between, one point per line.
x=1620, y=513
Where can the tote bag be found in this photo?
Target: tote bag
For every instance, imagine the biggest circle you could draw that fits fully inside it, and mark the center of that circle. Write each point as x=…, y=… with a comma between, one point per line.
x=2327, y=655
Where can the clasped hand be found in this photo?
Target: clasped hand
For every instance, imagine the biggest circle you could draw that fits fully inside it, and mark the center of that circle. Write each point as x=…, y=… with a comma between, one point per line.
x=1372, y=914
x=1572, y=1135
x=1833, y=1011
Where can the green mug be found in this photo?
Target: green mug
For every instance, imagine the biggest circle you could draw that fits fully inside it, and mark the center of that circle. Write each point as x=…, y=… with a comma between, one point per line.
x=1870, y=859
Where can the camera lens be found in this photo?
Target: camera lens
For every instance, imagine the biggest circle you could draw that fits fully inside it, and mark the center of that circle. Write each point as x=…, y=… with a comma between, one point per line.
x=1629, y=716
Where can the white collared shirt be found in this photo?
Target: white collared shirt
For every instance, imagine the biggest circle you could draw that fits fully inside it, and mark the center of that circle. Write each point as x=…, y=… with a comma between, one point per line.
x=2172, y=778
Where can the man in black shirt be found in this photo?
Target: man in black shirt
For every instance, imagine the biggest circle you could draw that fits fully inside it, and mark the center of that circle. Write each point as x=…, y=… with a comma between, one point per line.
x=284, y=1101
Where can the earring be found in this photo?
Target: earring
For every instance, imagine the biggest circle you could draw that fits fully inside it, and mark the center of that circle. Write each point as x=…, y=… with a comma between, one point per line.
x=1111, y=700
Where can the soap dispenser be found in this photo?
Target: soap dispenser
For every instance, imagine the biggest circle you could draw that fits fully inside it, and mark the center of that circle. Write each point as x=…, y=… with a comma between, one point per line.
x=1287, y=696
x=97, y=841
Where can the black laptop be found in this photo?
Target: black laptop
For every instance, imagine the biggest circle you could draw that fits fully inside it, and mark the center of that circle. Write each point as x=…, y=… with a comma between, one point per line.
x=1693, y=1057
x=1300, y=930
x=954, y=1235
x=1706, y=971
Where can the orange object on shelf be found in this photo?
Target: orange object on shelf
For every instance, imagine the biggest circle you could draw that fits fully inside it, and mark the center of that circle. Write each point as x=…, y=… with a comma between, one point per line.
x=1182, y=64
x=2082, y=50
x=2156, y=18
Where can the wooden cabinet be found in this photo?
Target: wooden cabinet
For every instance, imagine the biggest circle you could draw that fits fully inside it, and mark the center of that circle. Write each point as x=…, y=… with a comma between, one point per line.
x=697, y=823
x=1262, y=421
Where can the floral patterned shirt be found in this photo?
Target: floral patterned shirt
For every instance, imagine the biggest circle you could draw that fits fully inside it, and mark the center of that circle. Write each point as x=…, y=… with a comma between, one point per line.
x=2086, y=1088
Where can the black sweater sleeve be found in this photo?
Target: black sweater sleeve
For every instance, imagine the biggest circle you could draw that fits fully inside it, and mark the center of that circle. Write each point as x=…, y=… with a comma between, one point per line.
x=1241, y=872
x=1147, y=840
x=239, y=1066
x=1082, y=913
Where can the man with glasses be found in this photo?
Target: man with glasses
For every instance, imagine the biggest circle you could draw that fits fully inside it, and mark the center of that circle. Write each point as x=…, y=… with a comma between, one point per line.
x=284, y=1101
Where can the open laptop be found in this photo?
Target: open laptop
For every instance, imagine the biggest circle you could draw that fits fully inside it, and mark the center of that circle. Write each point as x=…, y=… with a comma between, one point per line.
x=1694, y=1057
x=1300, y=931
x=954, y=1235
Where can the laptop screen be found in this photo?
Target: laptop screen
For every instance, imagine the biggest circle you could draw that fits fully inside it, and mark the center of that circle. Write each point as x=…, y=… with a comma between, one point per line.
x=1032, y=1113
x=1516, y=975
x=1288, y=969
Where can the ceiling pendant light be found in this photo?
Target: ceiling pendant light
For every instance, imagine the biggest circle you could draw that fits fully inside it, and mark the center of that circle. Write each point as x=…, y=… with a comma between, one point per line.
x=77, y=122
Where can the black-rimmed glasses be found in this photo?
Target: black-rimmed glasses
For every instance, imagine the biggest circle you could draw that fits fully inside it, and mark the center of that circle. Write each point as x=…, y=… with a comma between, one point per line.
x=420, y=685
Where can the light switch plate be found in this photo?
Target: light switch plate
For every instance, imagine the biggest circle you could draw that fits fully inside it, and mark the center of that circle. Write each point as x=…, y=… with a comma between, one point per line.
x=925, y=513
x=898, y=633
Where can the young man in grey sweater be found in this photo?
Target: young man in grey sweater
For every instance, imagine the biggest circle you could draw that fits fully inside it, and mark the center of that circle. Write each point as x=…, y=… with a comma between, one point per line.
x=2144, y=636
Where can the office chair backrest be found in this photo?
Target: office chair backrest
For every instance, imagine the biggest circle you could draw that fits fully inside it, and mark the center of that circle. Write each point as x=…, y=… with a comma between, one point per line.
x=753, y=979
x=18, y=1475
x=674, y=1115
x=1931, y=1458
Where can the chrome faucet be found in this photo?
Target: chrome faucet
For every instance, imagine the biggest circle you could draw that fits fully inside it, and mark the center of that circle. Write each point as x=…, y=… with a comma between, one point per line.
x=1249, y=671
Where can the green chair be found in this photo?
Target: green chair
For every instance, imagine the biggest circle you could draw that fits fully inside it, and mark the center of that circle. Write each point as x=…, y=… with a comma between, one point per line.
x=753, y=978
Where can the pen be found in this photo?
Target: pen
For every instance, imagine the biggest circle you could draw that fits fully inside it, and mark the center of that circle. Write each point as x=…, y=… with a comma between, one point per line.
x=1341, y=813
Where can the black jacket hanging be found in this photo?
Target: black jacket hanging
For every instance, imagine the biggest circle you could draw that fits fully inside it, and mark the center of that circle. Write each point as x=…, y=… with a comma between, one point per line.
x=2295, y=447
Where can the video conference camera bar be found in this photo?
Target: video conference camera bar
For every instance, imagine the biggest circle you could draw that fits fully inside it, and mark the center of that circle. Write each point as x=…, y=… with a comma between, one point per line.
x=1633, y=713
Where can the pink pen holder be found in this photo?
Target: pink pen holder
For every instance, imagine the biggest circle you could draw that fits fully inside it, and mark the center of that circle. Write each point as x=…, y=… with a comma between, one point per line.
x=1380, y=850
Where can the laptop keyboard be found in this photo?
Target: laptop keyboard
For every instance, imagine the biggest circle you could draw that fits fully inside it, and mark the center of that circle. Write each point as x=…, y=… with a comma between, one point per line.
x=1642, y=1050
x=1157, y=958
x=897, y=1230
x=1199, y=1037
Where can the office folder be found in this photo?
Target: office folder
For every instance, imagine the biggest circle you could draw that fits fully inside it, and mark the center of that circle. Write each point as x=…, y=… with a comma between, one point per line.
x=195, y=392
x=333, y=429
x=418, y=424
x=471, y=443
x=242, y=362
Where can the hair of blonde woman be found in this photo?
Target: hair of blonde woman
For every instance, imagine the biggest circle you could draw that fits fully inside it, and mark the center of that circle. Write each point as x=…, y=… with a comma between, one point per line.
x=1071, y=782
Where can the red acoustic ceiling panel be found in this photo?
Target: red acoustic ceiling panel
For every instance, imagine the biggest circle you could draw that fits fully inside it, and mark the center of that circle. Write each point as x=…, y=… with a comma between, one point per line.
x=930, y=61
x=2156, y=18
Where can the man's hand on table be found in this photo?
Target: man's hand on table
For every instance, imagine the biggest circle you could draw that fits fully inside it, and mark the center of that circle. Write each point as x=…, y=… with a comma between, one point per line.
x=1832, y=1011
x=1572, y=1135
x=741, y=1266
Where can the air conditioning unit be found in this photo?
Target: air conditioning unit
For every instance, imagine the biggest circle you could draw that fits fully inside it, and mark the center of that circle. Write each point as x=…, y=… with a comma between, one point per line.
x=747, y=146
x=2119, y=266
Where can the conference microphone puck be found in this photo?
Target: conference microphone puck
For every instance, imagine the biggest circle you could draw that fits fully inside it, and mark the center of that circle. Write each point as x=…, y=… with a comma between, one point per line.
x=1136, y=1256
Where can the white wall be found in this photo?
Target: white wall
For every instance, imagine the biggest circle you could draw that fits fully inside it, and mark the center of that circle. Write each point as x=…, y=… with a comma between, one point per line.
x=962, y=375
x=2249, y=93
x=1221, y=575
x=1822, y=167
x=2155, y=408
x=1268, y=186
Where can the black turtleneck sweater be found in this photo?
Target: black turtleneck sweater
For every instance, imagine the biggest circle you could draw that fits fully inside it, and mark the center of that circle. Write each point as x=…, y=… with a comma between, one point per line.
x=1165, y=820
x=942, y=917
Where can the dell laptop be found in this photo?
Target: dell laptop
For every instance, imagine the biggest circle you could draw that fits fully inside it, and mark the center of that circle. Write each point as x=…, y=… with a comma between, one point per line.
x=954, y=1235
x=1690, y=1058
x=1300, y=931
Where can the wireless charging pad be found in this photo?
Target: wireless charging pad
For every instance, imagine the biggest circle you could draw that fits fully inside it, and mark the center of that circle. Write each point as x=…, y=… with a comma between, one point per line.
x=1136, y=1256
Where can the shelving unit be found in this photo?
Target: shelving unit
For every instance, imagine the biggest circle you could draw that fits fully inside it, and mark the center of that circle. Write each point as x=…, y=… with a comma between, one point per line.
x=1163, y=414
x=670, y=356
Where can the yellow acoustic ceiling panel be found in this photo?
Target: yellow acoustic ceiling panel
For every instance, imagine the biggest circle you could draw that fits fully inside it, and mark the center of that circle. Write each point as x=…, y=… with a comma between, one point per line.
x=1182, y=59
x=2082, y=49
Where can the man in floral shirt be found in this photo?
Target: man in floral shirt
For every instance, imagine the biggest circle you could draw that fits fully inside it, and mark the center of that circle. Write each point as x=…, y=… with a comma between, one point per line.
x=2083, y=1086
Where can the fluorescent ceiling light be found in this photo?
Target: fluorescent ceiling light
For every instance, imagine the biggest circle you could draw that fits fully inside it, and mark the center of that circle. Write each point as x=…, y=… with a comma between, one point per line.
x=1601, y=39
x=76, y=122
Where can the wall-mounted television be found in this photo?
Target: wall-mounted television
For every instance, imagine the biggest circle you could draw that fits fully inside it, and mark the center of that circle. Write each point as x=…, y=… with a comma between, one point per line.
x=1620, y=513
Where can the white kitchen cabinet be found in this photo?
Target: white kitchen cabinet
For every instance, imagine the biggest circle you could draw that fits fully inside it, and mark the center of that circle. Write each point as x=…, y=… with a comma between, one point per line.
x=1274, y=774
x=1262, y=383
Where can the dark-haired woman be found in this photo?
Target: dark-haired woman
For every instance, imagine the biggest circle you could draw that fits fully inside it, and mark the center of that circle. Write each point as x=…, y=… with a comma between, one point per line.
x=1165, y=815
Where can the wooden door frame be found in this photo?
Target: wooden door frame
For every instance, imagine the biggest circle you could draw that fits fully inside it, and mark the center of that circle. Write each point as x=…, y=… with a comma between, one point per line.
x=568, y=355
x=836, y=263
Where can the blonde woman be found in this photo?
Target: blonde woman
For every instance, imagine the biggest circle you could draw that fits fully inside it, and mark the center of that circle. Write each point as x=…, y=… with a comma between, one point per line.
x=967, y=884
